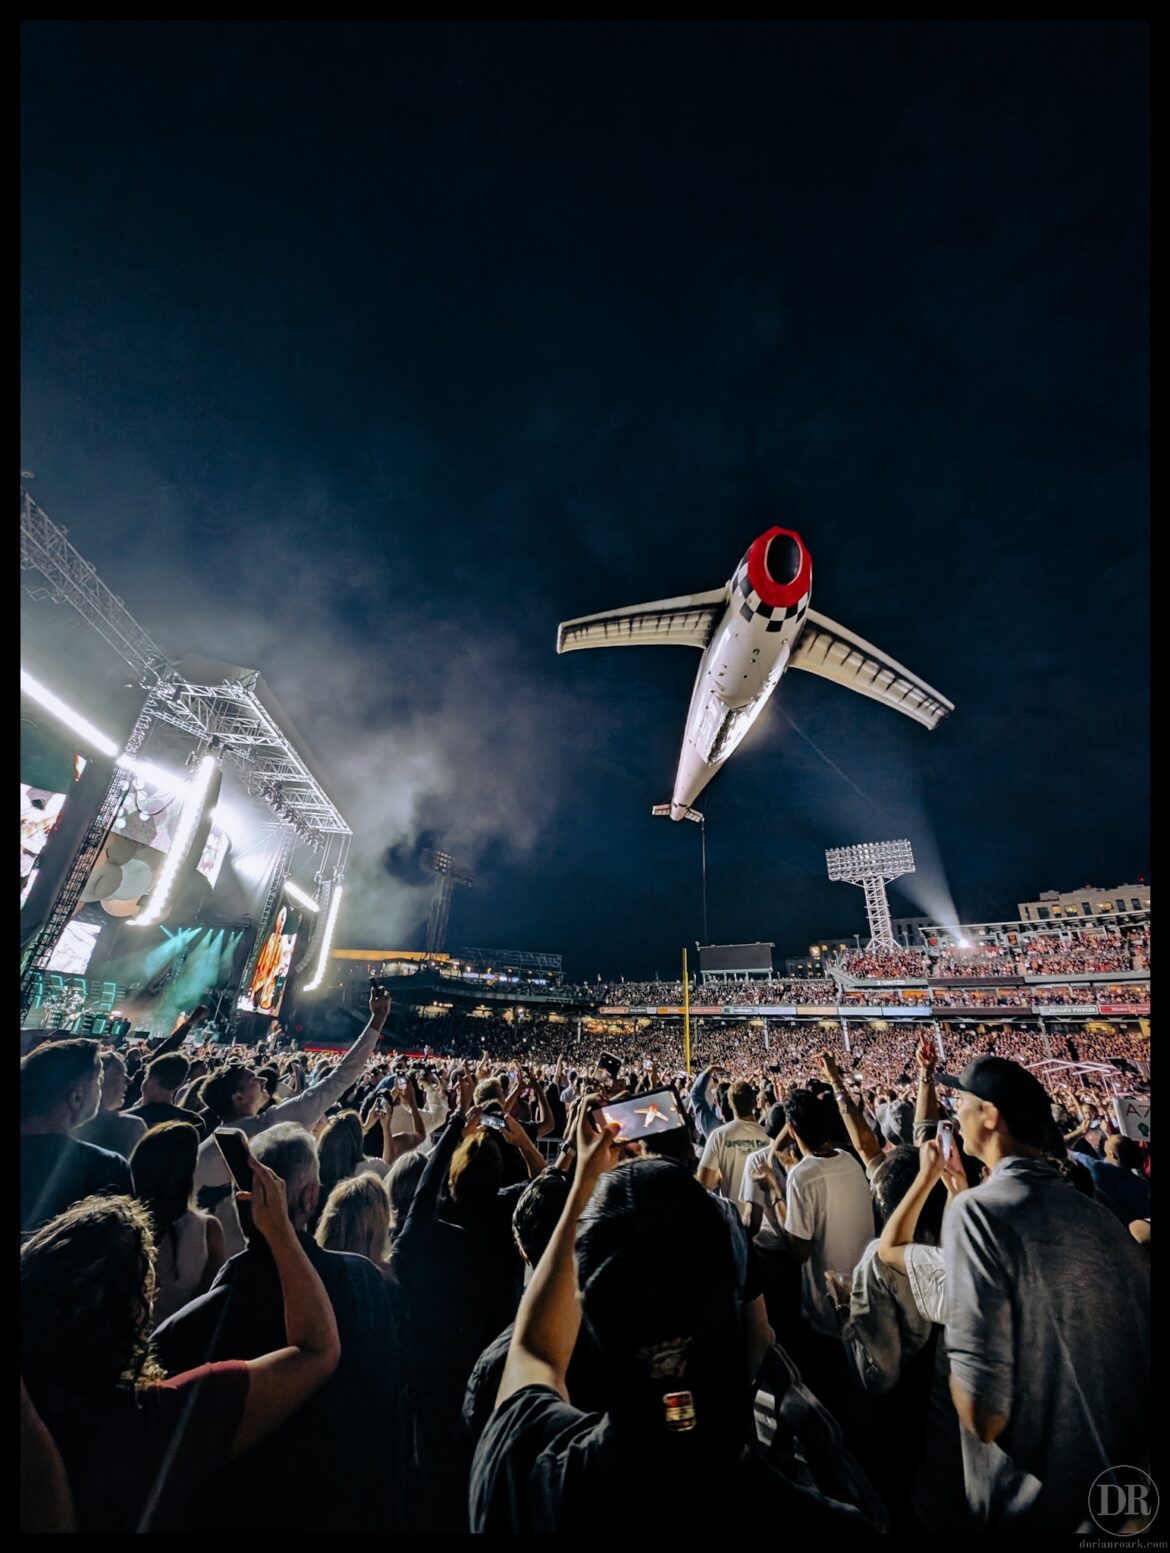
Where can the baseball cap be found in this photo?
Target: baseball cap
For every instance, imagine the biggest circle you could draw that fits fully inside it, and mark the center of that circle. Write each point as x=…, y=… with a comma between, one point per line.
x=1018, y=1094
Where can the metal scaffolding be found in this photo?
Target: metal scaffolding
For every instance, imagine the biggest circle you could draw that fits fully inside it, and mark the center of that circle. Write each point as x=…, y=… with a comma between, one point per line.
x=235, y=707
x=219, y=703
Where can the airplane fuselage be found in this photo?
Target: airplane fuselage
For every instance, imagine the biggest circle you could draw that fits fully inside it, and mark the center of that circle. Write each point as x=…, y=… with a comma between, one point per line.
x=768, y=601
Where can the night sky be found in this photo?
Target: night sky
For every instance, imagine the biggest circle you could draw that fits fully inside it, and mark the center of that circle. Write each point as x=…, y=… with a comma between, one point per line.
x=365, y=354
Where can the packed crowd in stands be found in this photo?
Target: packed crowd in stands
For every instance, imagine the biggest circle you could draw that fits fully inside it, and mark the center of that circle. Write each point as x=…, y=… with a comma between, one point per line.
x=438, y=1283
x=1046, y=955
x=880, y=964
x=729, y=992
x=1036, y=954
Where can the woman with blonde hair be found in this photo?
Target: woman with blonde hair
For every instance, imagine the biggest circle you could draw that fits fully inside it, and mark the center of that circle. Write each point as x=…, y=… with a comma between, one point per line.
x=357, y=1218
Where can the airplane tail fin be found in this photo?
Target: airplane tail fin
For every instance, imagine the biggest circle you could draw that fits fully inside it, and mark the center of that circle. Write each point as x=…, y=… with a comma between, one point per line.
x=668, y=810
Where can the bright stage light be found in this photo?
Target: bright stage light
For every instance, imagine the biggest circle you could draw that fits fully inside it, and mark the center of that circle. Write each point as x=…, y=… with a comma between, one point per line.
x=326, y=940
x=165, y=781
x=193, y=806
x=298, y=895
x=63, y=713
x=168, y=781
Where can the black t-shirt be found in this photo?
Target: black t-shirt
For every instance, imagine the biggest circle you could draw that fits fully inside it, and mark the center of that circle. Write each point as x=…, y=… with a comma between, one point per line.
x=543, y=1466
x=56, y=1171
x=583, y=1381
x=153, y=1112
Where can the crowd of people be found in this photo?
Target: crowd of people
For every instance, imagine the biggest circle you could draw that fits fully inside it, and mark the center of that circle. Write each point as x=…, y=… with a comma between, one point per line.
x=828, y=1273
x=1072, y=953
x=886, y=964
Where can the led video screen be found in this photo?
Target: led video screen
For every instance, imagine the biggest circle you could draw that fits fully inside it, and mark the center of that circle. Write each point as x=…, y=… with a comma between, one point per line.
x=214, y=853
x=266, y=991
x=40, y=809
x=75, y=948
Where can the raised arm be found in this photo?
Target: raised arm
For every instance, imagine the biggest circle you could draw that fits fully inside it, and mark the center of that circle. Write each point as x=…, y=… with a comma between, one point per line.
x=549, y=1317
x=898, y=1230
x=422, y=1207
x=705, y=1113
x=926, y=1106
x=533, y=1158
x=861, y=1134
x=544, y=1118
x=179, y=1034
x=280, y=1381
x=310, y=1106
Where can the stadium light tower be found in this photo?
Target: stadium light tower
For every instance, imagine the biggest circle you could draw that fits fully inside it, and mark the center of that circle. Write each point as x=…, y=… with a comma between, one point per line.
x=872, y=865
x=448, y=873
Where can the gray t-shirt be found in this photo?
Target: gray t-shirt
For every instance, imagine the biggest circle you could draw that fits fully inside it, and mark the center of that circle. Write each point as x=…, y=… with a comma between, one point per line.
x=884, y=1326
x=1048, y=1322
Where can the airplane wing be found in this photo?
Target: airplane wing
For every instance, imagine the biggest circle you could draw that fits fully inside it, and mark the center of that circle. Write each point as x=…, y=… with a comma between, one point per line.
x=689, y=621
x=827, y=649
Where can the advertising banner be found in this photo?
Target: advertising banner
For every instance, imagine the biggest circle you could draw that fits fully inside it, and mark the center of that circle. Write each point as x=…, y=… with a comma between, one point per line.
x=1126, y=1010
x=898, y=1012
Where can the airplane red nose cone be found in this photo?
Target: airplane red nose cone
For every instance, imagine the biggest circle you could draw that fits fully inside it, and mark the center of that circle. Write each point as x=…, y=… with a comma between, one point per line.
x=783, y=559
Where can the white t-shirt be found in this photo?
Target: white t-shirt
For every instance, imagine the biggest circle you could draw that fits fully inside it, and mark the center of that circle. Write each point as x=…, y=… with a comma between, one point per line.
x=829, y=1204
x=928, y=1280
x=726, y=1150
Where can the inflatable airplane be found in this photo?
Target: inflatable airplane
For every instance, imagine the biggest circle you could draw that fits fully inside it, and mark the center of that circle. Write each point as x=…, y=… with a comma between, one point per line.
x=750, y=631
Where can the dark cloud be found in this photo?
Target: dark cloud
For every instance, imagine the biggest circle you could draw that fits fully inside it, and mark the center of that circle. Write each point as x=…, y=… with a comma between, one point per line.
x=366, y=353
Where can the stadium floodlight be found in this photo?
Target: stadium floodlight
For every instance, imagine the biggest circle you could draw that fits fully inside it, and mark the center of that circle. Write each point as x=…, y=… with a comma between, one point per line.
x=295, y=893
x=326, y=941
x=871, y=865
x=64, y=713
x=194, y=809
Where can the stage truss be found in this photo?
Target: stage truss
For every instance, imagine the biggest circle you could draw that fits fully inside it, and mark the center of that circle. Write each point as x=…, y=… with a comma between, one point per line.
x=231, y=712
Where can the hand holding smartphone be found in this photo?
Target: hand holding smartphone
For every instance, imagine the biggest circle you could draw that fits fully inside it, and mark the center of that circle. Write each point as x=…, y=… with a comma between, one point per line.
x=644, y=1116
x=946, y=1141
x=233, y=1145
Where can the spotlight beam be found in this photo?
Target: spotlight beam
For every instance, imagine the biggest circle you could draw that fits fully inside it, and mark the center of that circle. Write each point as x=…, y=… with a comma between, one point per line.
x=64, y=713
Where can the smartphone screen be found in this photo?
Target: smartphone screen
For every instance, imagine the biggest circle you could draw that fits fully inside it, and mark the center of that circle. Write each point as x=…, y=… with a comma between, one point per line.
x=496, y=1123
x=946, y=1139
x=648, y=1064
x=234, y=1147
x=610, y=1063
x=645, y=1116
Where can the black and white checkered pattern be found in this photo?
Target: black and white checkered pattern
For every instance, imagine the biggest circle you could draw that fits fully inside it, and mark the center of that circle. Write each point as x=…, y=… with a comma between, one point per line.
x=751, y=604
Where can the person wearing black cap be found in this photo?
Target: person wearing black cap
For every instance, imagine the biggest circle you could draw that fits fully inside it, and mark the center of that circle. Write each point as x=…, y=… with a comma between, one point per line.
x=1047, y=1316
x=655, y=1281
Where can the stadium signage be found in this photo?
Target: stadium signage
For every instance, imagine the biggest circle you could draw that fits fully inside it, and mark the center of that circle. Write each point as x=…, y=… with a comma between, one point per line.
x=613, y=1010
x=897, y=1011
x=982, y=1011
x=1133, y=1116
x=978, y=981
x=830, y=1009
x=1132, y=1010
x=1045, y=1009
x=896, y=981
